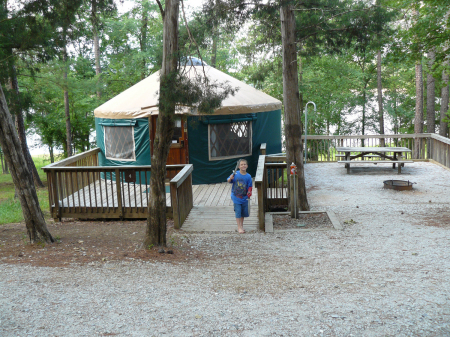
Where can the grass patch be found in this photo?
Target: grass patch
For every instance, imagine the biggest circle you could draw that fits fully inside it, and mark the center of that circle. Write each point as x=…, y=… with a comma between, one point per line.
x=10, y=208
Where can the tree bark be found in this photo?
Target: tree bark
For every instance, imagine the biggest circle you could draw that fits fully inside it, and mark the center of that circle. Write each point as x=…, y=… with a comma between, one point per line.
x=443, y=125
x=23, y=180
x=214, y=51
x=20, y=125
x=431, y=96
x=380, y=98
x=291, y=95
x=363, y=123
x=418, y=119
x=5, y=169
x=156, y=221
x=98, y=69
x=143, y=41
x=66, y=105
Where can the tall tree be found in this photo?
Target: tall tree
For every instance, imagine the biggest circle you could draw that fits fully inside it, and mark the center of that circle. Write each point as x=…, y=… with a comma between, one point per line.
x=156, y=222
x=16, y=25
x=20, y=125
x=443, y=125
x=380, y=88
x=66, y=94
x=380, y=98
x=99, y=7
x=292, y=127
x=22, y=178
x=418, y=117
x=65, y=14
x=94, y=22
x=431, y=97
x=175, y=89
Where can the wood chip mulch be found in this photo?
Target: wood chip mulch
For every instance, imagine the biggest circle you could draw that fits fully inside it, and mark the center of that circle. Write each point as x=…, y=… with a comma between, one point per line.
x=305, y=221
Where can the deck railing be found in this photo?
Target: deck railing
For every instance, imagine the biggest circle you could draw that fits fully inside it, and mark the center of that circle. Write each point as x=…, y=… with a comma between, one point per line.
x=440, y=150
x=182, y=199
x=121, y=192
x=323, y=148
x=271, y=176
x=272, y=184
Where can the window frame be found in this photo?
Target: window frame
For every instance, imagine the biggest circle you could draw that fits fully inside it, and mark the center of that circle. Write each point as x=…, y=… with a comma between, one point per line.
x=250, y=132
x=134, y=142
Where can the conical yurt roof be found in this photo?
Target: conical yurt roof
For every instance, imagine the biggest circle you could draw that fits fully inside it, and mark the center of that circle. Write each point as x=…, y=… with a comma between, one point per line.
x=141, y=100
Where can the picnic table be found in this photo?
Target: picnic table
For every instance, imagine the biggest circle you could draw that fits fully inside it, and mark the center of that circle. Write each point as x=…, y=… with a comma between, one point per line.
x=387, y=155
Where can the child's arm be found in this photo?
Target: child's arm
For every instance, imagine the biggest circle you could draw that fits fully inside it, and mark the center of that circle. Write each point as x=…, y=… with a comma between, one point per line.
x=230, y=178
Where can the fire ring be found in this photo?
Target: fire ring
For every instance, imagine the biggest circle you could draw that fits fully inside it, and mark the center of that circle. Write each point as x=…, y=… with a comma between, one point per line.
x=399, y=185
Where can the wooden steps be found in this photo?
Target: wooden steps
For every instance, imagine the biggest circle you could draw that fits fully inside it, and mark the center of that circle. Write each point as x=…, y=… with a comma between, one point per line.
x=218, y=219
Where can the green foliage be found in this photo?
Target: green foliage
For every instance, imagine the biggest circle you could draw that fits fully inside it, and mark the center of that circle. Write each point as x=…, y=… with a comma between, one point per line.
x=46, y=116
x=181, y=90
x=337, y=44
x=426, y=25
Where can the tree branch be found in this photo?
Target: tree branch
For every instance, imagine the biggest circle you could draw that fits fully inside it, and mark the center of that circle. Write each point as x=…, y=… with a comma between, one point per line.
x=339, y=14
x=161, y=8
x=192, y=38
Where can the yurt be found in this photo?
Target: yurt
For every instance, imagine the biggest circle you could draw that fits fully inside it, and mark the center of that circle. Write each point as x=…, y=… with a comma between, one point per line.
x=126, y=126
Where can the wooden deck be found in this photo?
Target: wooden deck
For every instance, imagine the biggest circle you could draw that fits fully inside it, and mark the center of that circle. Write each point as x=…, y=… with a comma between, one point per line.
x=103, y=193
x=218, y=219
x=213, y=208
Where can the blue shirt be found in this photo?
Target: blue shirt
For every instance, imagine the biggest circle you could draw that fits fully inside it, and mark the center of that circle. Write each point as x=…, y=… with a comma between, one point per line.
x=239, y=190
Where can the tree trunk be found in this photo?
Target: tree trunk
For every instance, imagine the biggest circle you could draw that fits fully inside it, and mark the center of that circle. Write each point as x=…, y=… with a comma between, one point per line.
x=380, y=98
x=21, y=130
x=418, y=119
x=98, y=69
x=363, y=124
x=443, y=125
x=214, y=52
x=143, y=42
x=431, y=97
x=156, y=221
x=293, y=132
x=5, y=169
x=67, y=106
x=52, y=157
x=23, y=180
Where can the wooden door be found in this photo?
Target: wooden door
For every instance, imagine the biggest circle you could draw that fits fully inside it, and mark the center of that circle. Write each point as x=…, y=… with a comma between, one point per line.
x=178, y=153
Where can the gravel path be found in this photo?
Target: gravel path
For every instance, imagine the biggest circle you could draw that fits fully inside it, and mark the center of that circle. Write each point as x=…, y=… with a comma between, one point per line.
x=386, y=274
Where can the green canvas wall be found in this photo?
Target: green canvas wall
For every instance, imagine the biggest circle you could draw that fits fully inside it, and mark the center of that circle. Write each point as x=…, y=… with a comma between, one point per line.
x=266, y=128
x=141, y=139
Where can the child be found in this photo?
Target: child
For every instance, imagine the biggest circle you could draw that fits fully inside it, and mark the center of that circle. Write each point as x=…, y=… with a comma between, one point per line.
x=240, y=192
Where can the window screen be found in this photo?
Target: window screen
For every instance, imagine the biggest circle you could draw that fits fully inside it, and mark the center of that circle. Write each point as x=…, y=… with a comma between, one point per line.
x=119, y=143
x=230, y=140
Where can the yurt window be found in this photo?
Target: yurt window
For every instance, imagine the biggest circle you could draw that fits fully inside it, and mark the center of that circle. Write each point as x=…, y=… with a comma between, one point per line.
x=230, y=140
x=119, y=143
x=177, y=132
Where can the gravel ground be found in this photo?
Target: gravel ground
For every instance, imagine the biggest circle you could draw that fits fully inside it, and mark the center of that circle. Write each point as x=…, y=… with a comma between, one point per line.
x=386, y=274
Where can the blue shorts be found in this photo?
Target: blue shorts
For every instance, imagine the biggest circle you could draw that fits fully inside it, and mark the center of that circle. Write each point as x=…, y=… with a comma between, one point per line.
x=241, y=210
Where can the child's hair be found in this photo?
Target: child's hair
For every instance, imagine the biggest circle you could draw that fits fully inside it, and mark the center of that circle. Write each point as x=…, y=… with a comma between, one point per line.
x=239, y=161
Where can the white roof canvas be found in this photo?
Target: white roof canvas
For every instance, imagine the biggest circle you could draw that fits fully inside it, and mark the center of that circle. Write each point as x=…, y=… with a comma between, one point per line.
x=141, y=100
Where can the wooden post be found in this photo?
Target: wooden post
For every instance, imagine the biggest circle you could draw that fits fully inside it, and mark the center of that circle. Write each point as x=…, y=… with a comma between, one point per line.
x=119, y=193
x=57, y=212
x=175, y=205
x=263, y=149
x=294, y=203
x=261, y=186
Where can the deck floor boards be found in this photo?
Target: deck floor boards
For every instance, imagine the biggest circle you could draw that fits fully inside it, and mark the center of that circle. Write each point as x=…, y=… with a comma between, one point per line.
x=212, y=211
x=216, y=219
